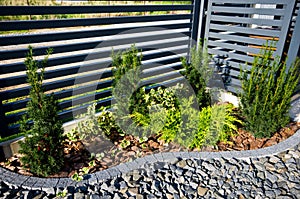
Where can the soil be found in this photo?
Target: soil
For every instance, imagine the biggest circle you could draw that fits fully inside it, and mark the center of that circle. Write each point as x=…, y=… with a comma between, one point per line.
x=115, y=151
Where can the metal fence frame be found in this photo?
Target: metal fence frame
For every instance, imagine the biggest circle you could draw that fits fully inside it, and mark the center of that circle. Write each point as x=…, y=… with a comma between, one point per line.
x=234, y=34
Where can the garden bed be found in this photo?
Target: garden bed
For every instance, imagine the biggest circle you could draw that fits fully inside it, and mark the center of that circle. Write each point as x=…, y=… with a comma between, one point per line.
x=151, y=119
x=76, y=155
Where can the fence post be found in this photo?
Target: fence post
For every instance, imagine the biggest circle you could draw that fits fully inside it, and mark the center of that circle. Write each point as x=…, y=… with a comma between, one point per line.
x=202, y=20
x=195, y=25
x=3, y=121
x=294, y=48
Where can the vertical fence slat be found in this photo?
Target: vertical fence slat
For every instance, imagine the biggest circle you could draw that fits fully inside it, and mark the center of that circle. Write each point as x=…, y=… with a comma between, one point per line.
x=196, y=14
x=294, y=48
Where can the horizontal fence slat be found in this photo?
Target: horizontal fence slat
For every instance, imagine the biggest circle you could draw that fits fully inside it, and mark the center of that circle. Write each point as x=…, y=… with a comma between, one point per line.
x=62, y=48
x=49, y=10
x=68, y=35
x=16, y=67
x=230, y=46
x=245, y=30
x=19, y=92
x=90, y=88
x=21, y=79
x=61, y=94
x=243, y=10
x=85, y=99
x=252, y=1
x=82, y=109
x=40, y=24
x=247, y=20
x=24, y=91
x=241, y=39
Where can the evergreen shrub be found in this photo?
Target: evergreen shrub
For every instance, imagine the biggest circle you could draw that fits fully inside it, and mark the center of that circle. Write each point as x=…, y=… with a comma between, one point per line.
x=266, y=93
x=43, y=147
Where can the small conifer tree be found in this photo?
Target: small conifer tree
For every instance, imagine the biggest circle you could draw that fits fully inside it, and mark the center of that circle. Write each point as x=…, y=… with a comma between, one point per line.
x=266, y=94
x=43, y=147
x=198, y=73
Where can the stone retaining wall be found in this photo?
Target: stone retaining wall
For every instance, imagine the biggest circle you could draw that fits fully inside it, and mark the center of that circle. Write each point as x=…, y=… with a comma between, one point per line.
x=271, y=172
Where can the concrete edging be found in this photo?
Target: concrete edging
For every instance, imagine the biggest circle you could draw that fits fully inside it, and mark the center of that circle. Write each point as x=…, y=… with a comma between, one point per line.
x=50, y=185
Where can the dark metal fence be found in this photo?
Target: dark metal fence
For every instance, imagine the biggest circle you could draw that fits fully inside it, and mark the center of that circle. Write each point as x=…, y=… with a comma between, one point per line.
x=79, y=70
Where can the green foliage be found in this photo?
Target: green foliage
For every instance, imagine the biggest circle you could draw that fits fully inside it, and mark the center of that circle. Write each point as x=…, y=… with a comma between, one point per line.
x=77, y=177
x=159, y=110
x=106, y=121
x=266, y=93
x=43, y=148
x=181, y=124
x=127, y=71
x=125, y=143
x=88, y=125
x=62, y=194
x=198, y=74
x=125, y=61
x=72, y=135
x=217, y=123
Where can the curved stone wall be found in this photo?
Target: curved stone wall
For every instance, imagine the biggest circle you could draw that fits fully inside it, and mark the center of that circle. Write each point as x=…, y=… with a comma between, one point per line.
x=271, y=172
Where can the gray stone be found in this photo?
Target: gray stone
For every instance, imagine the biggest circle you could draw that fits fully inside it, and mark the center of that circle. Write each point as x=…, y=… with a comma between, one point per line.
x=261, y=175
x=213, y=182
x=118, y=196
x=259, y=166
x=270, y=194
x=169, y=196
x=171, y=188
x=179, y=171
x=79, y=196
x=136, y=176
x=133, y=191
x=102, y=175
x=95, y=196
x=151, y=196
x=181, y=163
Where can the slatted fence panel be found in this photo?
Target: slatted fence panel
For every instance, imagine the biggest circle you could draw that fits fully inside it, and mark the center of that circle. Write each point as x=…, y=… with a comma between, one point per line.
x=236, y=30
x=79, y=70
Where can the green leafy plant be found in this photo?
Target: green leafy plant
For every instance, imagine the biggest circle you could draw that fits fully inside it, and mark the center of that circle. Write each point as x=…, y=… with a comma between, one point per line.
x=266, y=93
x=77, y=177
x=43, y=147
x=88, y=125
x=217, y=123
x=124, y=61
x=151, y=115
x=125, y=143
x=72, y=135
x=126, y=72
x=198, y=72
x=62, y=194
x=107, y=122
